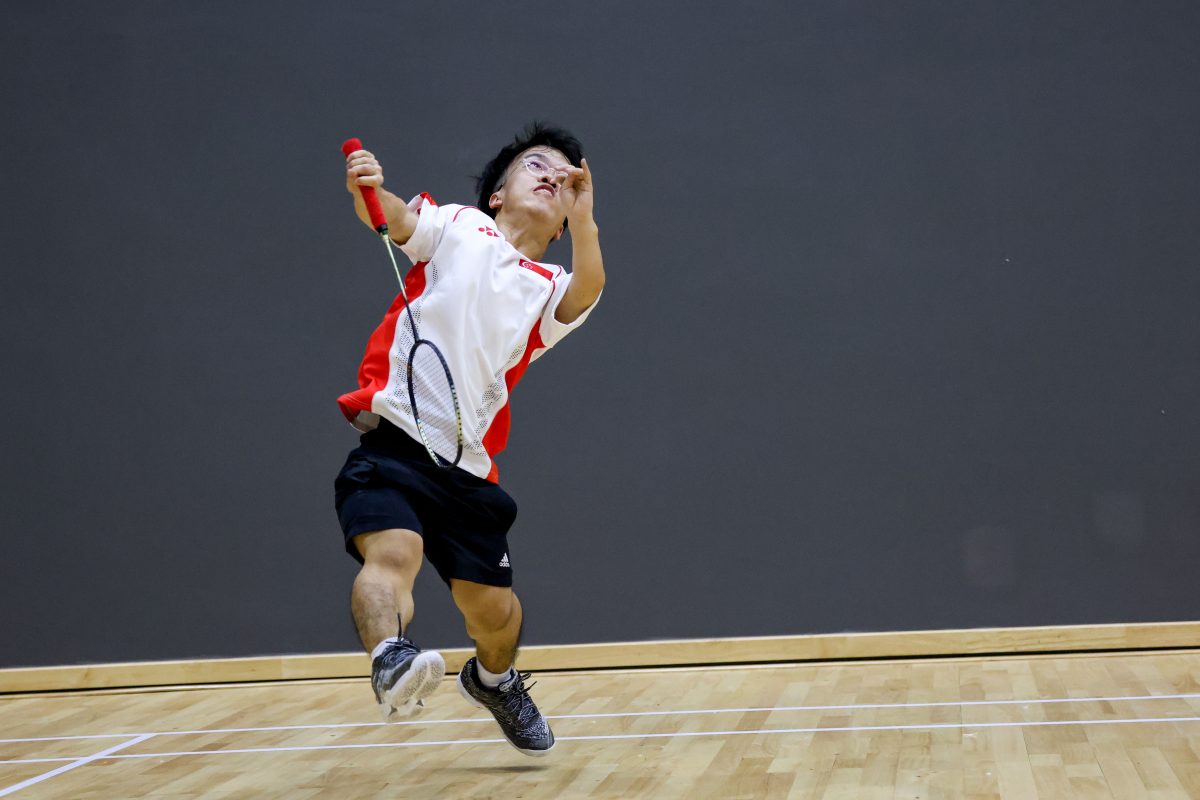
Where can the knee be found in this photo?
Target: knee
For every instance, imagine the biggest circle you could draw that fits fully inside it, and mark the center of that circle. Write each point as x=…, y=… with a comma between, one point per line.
x=391, y=551
x=489, y=613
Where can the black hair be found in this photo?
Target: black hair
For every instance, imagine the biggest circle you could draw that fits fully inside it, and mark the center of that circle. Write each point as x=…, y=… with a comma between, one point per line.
x=537, y=134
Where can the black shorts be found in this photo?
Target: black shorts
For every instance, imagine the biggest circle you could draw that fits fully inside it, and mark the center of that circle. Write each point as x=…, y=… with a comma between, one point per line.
x=390, y=482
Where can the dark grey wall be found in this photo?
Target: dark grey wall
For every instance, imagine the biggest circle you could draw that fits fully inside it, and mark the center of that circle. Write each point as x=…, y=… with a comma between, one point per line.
x=900, y=329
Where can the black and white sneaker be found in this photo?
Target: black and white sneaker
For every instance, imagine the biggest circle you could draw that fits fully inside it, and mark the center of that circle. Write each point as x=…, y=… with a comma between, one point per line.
x=403, y=675
x=520, y=721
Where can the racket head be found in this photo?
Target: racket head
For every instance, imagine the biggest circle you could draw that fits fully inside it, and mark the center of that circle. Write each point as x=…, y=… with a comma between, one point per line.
x=434, y=401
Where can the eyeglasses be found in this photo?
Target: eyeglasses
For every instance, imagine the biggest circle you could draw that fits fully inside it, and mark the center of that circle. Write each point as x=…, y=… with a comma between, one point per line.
x=539, y=168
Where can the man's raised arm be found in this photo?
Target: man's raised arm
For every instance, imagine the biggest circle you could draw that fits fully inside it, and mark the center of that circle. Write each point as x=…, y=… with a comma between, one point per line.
x=587, y=265
x=363, y=170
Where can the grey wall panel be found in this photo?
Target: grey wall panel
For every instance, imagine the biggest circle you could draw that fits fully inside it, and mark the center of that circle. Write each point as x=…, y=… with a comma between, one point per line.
x=900, y=329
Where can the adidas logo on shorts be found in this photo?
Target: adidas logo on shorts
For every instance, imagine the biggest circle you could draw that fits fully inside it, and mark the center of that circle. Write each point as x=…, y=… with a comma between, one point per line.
x=504, y=561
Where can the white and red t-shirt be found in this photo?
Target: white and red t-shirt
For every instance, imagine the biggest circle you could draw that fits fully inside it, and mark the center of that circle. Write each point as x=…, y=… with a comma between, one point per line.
x=489, y=310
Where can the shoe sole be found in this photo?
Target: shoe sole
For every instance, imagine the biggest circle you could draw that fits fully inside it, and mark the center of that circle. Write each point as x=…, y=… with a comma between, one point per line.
x=421, y=680
x=462, y=689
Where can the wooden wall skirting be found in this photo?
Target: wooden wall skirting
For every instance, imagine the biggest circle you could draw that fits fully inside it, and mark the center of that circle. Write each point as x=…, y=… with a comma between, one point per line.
x=765, y=649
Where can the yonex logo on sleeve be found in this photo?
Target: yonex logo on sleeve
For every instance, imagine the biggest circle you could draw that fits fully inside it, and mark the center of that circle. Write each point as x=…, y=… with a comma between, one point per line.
x=489, y=231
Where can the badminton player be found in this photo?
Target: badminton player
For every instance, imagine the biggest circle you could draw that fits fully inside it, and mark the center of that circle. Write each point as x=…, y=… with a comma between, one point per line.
x=480, y=291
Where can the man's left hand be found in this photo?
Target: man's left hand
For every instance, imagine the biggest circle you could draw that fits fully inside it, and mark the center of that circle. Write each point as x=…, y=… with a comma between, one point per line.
x=577, y=195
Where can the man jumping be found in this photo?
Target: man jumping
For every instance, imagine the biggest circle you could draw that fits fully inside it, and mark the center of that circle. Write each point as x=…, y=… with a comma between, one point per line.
x=482, y=294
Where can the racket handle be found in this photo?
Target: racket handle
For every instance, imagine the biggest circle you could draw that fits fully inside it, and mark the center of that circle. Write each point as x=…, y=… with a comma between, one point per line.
x=374, y=209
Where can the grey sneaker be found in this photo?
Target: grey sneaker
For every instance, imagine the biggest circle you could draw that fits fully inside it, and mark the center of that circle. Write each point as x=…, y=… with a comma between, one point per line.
x=403, y=675
x=520, y=721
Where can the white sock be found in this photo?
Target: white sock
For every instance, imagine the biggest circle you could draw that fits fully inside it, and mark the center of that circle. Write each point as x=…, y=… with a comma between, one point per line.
x=490, y=679
x=379, y=648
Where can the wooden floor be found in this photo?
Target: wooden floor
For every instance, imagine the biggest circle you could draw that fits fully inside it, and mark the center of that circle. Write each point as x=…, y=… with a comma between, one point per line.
x=1116, y=726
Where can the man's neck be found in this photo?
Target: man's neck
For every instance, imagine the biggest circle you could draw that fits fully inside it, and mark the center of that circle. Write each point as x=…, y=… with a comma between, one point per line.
x=529, y=238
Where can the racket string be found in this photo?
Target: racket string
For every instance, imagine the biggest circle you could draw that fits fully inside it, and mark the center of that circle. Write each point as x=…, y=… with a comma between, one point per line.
x=434, y=395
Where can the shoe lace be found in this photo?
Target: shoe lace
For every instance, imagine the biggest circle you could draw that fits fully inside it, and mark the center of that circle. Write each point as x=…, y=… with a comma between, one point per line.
x=518, y=694
x=399, y=651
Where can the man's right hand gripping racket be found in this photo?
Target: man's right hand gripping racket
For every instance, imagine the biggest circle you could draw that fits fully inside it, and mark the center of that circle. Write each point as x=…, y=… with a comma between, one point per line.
x=431, y=393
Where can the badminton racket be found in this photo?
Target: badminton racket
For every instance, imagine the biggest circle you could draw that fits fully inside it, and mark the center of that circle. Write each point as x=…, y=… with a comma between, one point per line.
x=432, y=396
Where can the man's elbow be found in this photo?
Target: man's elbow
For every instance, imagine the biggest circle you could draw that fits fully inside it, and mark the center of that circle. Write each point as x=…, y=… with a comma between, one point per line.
x=595, y=286
x=573, y=306
x=591, y=290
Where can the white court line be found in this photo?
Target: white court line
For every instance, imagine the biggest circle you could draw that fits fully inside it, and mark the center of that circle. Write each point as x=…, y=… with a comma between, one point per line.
x=70, y=738
x=617, y=736
x=683, y=712
x=76, y=763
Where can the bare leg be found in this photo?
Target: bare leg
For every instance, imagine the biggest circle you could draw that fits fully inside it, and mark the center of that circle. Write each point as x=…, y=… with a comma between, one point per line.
x=493, y=617
x=383, y=588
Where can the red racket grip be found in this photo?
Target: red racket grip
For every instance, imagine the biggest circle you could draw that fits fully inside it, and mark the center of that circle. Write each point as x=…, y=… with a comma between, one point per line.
x=374, y=209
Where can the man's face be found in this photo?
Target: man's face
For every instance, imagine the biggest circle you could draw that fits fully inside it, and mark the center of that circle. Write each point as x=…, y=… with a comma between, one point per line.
x=532, y=185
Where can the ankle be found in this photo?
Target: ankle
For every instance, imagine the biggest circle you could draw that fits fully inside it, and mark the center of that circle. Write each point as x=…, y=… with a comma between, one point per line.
x=491, y=680
x=384, y=645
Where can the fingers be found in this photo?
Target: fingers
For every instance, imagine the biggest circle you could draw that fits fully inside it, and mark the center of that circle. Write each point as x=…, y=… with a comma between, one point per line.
x=363, y=170
x=579, y=177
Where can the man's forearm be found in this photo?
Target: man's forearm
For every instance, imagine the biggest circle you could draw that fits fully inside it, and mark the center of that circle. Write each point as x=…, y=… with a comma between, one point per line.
x=401, y=221
x=587, y=273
